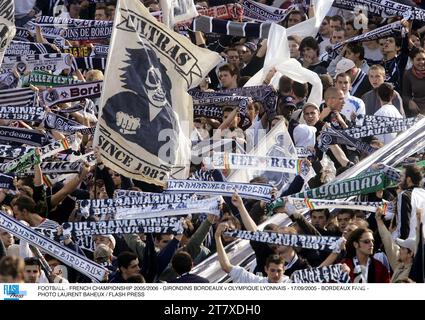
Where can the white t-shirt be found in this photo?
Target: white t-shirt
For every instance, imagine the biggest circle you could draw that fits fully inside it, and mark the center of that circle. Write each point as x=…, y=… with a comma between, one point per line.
x=388, y=110
x=240, y=275
x=353, y=104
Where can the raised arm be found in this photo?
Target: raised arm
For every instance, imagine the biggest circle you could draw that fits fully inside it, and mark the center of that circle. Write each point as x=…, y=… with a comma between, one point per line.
x=221, y=253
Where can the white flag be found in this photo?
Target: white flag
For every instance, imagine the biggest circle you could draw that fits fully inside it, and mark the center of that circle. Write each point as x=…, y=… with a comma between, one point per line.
x=145, y=103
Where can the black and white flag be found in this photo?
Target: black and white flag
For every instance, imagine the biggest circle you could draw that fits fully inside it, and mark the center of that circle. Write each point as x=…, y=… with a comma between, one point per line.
x=260, y=12
x=145, y=96
x=72, y=92
x=7, y=25
x=24, y=136
x=54, y=62
x=20, y=48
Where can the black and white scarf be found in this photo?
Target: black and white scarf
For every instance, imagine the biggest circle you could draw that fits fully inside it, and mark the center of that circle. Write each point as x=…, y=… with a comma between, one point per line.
x=25, y=113
x=73, y=92
x=24, y=136
x=84, y=242
x=62, y=167
x=62, y=253
x=326, y=274
x=382, y=125
x=210, y=206
x=286, y=239
x=129, y=199
x=20, y=104
x=245, y=190
x=68, y=22
x=382, y=8
x=54, y=62
x=125, y=226
x=213, y=112
x=261, y=13
x=230, y=28
x=89, y=63
x=264, y=94
x=77, y=33
x=378, y=33
x=331, y=136
x=6, y=181
x=23, y=35
x=57, y=122
x=221, y=100
x=23, y=48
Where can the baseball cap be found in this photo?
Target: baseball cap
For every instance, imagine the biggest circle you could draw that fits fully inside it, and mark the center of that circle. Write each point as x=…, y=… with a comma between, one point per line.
x=409, y=243
x=311, y=104
x=343, y=66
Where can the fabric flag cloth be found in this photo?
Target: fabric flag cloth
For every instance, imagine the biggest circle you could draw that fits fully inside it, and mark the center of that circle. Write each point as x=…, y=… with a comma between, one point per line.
x=7, y=25
x=71, y=258
x=126, y=226
x=276, y=143
x=278, y=57
x=245, y=190
x=174, y=11
x=285, y=239
x=145, y=96
x=363, y=184
x=326, y=274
